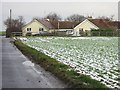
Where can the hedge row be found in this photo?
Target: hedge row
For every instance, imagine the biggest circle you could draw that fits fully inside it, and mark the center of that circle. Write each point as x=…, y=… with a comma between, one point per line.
x=104, y=32
x=62, y=71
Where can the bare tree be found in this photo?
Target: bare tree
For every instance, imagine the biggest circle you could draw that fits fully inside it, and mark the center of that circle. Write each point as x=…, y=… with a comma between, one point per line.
x=14, y=25
x=37, y=18
x=53, y=17
x=106, y=18
x=7, y=22
x=75, y=17
x=19, y=22
x=111, y=17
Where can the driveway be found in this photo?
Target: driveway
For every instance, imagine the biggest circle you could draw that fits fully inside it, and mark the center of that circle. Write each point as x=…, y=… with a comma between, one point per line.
x=19, y=72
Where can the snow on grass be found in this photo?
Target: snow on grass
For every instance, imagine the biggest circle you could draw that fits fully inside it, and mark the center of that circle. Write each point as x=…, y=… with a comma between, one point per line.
x=96, y=57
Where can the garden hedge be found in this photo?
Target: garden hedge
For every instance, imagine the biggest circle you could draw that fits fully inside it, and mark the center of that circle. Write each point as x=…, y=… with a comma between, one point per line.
x=103, y=32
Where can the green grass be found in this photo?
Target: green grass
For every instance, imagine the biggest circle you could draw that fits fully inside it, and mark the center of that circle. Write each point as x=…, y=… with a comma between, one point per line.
x=62, y=71
x=2, y=33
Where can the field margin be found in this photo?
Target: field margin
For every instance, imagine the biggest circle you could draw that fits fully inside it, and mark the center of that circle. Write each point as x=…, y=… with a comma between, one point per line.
x=62, y=71
x=2, y=33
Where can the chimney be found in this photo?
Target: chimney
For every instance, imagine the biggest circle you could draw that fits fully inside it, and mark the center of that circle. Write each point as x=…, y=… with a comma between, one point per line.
x=89, y=17
x=58, y=24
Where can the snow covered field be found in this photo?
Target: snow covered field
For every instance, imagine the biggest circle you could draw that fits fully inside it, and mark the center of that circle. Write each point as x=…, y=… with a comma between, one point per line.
x=96, y=57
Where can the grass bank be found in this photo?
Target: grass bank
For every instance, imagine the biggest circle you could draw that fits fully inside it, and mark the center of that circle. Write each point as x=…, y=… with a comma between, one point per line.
x=2, y=33
x=62, y=71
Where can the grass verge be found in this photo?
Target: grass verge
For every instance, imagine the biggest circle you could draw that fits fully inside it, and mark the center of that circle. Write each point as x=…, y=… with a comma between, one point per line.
x=2, y=33
x=62, y=71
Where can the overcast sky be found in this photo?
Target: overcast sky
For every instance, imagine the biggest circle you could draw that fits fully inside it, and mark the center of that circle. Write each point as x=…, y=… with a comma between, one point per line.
x=40, y=9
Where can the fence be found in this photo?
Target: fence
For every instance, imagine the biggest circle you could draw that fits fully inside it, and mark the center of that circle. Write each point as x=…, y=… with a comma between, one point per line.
x=16, y=33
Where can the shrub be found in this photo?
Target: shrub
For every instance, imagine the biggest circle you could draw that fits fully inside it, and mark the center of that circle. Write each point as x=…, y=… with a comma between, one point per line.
x=102, y=32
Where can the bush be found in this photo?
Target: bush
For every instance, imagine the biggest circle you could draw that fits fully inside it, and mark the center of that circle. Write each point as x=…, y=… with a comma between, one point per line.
x=71, y=77
x=102, y=32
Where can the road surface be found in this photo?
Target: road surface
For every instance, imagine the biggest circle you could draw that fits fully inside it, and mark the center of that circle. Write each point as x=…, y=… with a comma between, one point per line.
x=19, y=72
x=0, y=63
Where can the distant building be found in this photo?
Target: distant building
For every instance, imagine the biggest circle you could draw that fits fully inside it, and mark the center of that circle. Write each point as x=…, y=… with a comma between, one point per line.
x=47, y=27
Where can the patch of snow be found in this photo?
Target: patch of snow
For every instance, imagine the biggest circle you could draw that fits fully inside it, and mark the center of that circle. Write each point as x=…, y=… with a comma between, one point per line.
x=96, y=57
x=28, y=63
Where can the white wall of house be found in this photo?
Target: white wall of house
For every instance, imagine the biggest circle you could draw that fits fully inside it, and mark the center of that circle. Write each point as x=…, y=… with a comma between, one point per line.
x=86, y=25
x=35, y=28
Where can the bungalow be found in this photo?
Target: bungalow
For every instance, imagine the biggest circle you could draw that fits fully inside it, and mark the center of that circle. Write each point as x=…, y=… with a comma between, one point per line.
x=84, y=27
x=65, y=27
x=37, y=27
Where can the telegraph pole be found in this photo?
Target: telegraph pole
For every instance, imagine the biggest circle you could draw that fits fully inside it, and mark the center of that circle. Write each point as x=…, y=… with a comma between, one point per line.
x=10, y=17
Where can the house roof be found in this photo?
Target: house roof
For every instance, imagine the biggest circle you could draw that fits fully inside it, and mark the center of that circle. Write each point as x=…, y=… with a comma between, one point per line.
x=64, y=24
x=117, y=24
x=61, y=24
x=102, y=23
x=46, y=23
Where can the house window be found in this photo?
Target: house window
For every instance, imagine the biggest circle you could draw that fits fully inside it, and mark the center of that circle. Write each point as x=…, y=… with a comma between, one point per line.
x=28, y=29
x=80, y=29
x=70, y=31
x=41, y=29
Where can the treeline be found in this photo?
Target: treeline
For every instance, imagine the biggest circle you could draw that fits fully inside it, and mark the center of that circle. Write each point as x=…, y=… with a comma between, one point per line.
x=74, y=17
x=14, y=25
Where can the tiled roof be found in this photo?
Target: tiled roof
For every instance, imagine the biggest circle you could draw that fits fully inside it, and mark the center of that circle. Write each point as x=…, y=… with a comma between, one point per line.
x=116, y=24
x=46, y=23
x=59, y=24
x=102, y=23
x=64, y=24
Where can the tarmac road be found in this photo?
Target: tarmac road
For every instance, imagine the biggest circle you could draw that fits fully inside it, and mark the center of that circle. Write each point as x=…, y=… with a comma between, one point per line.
x=19, y=72
x=0, y=62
